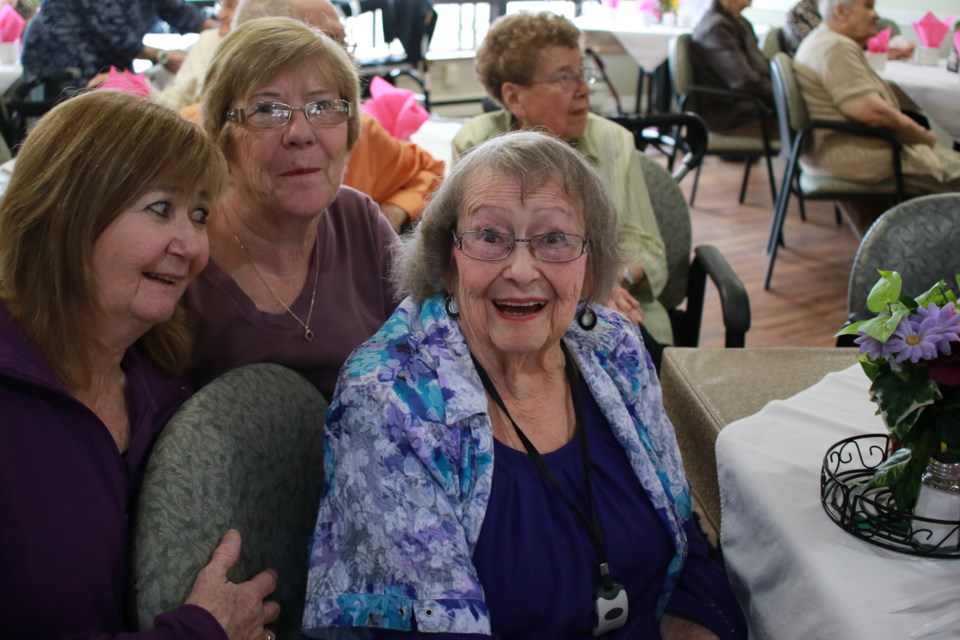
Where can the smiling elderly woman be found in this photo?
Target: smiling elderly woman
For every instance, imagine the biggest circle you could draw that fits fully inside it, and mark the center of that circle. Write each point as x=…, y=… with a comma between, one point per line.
x=531, y=64
x=499, y=462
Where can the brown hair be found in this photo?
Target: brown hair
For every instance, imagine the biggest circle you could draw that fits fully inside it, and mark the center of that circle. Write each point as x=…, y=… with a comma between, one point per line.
x=534, y=158
x=510, y=50
x=85, y=162
x=258, y=51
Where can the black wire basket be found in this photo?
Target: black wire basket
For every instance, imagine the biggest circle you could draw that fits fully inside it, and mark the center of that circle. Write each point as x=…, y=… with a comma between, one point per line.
x=871, y=514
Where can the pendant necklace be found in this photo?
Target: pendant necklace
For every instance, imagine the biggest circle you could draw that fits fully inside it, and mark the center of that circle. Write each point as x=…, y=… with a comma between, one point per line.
x=307, y=331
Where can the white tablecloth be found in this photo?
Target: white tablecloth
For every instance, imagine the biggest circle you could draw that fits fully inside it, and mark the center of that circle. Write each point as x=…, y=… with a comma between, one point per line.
x=798, y=575
x=647, y=44
x=935, y=90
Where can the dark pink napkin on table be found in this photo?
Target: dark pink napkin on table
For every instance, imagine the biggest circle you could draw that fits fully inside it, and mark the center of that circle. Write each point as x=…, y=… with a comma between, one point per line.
x=11, y=24
x=931, y=30
x=879, y=42
x=127, y=82
x=956, y=40
x=396, y=109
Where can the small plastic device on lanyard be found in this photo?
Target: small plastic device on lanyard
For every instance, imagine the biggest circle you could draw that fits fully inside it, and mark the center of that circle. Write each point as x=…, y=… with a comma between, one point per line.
x=612, y=605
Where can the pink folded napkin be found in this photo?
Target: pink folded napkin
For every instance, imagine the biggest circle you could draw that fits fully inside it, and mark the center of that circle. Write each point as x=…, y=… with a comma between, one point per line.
x=879, y=42
x=396, y=109
x=11, y=24
x=132, y=83
x=930, y=30
x=956, y=40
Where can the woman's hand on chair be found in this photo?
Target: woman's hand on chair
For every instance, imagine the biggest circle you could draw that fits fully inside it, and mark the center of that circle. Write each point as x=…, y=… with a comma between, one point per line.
x=241, y=609
x=621, y=300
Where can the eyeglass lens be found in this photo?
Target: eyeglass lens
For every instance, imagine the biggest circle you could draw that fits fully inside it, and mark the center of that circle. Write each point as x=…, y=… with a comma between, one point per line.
x=546, y=247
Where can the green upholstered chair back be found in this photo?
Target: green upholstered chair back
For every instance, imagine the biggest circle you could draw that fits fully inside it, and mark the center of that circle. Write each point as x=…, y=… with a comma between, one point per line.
x=916, y=238
x=673, y=219
x=772, y=43
x=791, y=109
x=681, y=65
x=245, y=452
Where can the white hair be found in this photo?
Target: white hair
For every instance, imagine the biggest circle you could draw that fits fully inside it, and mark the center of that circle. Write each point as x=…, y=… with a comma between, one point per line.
x=829, y=7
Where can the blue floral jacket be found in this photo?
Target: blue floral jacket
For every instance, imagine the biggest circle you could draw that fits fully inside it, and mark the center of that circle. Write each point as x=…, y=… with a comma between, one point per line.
x=409, y=467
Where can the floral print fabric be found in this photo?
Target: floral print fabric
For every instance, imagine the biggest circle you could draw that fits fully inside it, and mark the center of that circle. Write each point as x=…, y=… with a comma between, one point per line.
x=409, y=466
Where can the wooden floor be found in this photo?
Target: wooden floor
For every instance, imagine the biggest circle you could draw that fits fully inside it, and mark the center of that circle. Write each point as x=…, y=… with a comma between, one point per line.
x=806, y=303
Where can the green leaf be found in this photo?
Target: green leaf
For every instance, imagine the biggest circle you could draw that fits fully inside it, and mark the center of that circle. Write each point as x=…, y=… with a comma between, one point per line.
x=850, y=329
x=891, y=470
x=935, y=294
x=900, y=396
x=883, y=326
x=885, y=292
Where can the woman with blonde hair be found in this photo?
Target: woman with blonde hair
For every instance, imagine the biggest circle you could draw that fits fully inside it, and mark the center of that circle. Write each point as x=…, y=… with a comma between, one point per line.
x=101, y=231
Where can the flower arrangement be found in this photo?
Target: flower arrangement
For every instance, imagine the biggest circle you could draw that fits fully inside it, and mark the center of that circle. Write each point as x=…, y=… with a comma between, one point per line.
x=911, y=353
x=659, y=8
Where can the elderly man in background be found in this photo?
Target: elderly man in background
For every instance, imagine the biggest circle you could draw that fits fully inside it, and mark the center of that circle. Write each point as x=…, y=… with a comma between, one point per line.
x=837, y=83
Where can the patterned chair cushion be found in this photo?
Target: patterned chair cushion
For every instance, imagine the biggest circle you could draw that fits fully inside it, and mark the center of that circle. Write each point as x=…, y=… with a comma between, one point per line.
x=245, y=452
x=917, y=238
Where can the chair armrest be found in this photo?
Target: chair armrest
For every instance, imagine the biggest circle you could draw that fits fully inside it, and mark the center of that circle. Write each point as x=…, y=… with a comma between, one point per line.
x=734, y=301
x=762, y=107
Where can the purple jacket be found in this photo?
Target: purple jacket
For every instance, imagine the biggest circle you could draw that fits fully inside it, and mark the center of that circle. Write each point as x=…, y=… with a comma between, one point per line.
x=66, y=501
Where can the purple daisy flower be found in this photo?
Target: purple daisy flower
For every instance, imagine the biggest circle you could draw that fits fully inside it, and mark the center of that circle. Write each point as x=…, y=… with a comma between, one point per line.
x=871, y=346
x=917, y=337
x=943, y=320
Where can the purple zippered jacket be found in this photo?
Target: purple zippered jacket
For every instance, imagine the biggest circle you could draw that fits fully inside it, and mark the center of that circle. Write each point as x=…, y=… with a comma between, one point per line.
x=67, y=498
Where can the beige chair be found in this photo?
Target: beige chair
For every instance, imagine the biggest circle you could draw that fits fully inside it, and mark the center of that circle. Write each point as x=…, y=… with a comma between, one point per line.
x=751, y=148
x=796, y=133
x=245, y=452
x=772, y=43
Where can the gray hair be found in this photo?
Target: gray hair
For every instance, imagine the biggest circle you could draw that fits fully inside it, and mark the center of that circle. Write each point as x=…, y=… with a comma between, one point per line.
x=534, y=158
x=248, y=10
x=828, y=7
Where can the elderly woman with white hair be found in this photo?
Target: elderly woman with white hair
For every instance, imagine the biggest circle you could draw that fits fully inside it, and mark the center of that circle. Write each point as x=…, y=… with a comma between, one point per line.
x=499, y=462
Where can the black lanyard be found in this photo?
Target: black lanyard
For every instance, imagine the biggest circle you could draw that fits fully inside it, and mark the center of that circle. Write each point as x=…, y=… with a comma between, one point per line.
x=592, y=527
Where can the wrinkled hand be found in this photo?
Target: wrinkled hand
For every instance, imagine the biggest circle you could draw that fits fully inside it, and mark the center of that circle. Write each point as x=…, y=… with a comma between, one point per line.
x=900, y=51
x=175, y=60
x=621, y=300
x=396, y=216
x=239, y=608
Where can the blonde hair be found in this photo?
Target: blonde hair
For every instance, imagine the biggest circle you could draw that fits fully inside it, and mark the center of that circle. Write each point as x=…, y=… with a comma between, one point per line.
x=258, y=51
x=510, y=51
x=86, y=161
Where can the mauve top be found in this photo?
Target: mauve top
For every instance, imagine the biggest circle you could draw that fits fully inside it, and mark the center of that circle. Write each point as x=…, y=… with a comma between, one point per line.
x=354, y=297
x=66, y=502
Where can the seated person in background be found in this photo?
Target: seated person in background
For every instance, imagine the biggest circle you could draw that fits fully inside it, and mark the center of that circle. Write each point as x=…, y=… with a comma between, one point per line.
x=91, y=346
x=802, y=18
x=94, y=36
x=498, y=453
x=726, y=56
x=185, y=87
x=398, y=175
x=299, y=265
x=837, y=83
x=531, y=64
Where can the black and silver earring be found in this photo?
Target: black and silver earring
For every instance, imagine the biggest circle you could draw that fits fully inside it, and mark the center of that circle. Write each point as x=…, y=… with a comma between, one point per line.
x=587, y=318
x=450, y=306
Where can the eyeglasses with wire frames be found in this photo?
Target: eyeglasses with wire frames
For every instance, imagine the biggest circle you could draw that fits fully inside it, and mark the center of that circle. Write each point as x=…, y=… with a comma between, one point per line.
x=570, y=80
x=267, y=115
x=491, y=246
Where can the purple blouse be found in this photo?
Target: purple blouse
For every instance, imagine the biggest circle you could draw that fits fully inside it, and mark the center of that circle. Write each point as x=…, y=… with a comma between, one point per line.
x=539, y=570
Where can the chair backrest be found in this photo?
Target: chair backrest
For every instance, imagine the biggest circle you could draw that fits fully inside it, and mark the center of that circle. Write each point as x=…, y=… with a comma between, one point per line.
x=673, y=219
x=883, y=23
x=791, y=109
x=680, y=63
x=245, y=452
x=916, y=238
x=772, y=42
